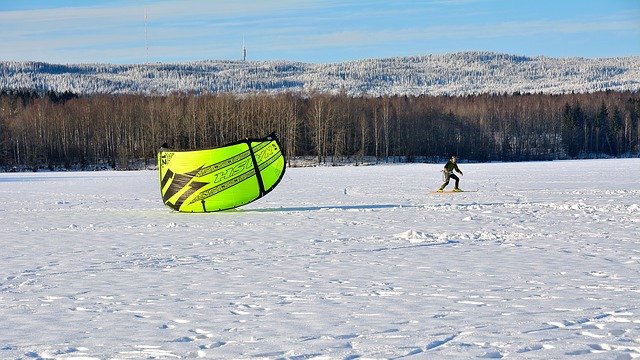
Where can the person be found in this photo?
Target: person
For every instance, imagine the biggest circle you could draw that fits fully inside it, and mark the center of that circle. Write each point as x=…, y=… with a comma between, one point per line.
x=448, y=171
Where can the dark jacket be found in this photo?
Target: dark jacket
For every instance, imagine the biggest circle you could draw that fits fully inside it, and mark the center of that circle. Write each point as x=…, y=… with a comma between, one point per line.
x=450, y=166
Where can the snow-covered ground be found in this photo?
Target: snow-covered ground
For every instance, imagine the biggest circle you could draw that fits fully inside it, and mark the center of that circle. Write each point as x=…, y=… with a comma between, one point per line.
x=541, y=260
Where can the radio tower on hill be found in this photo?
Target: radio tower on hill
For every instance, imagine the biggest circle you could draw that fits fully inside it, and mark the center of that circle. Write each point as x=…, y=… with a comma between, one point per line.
x=244, y=51
x=146, y=38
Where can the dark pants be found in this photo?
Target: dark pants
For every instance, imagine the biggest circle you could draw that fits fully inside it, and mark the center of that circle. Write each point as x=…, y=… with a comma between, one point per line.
x=447, y=177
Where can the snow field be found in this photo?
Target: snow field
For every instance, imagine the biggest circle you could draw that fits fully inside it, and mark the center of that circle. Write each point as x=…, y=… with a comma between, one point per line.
x=542, y=261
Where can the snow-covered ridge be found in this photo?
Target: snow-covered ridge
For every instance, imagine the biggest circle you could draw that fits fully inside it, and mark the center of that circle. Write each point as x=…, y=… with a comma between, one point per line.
x=454, y=74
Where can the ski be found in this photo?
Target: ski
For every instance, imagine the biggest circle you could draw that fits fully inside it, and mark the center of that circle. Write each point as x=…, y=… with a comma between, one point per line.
x=452, y=192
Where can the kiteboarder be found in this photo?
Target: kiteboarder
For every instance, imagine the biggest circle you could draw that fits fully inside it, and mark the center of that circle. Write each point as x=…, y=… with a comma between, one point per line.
x=448, y=171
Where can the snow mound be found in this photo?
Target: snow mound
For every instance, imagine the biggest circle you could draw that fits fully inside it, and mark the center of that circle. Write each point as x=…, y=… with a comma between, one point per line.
x=419, y=237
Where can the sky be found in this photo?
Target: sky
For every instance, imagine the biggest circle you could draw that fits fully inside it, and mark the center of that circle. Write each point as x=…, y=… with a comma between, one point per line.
x=323, y=31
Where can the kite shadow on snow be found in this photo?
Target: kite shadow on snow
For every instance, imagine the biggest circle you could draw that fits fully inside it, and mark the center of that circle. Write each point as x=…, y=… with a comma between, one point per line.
x=363, y=207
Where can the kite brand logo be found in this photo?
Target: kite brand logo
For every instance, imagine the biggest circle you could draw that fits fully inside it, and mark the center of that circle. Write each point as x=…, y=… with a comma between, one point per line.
x=233, y=171
x=165, y=158
x=265, y=154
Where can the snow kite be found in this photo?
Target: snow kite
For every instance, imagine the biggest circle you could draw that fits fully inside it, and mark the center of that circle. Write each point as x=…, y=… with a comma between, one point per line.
x=221, y=178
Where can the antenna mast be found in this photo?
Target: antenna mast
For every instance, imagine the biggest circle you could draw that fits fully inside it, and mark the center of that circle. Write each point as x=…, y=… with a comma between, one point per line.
x=244, y=51
x=146, y=37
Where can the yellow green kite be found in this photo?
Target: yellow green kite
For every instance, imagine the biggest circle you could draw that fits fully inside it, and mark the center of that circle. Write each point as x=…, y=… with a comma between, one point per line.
x=220, y=178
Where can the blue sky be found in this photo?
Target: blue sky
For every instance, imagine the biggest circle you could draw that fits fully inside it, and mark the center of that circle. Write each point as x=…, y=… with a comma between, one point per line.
x=323, y=31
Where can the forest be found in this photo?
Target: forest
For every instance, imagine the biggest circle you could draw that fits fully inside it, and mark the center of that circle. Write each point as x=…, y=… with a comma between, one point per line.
x=123, y=131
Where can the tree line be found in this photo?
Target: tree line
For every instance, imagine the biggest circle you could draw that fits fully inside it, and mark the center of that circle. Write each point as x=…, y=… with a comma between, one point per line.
x=51, y=130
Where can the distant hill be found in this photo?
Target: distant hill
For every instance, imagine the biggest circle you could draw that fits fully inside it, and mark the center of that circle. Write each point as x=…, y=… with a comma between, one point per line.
x=454, y=74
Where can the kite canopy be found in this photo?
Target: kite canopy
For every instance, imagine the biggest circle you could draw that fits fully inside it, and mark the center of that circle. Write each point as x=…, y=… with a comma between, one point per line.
x=221, y=178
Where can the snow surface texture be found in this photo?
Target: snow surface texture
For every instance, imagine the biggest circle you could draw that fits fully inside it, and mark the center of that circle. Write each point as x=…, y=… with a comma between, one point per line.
x=541, y=262
x=455, y=74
